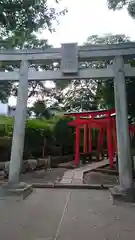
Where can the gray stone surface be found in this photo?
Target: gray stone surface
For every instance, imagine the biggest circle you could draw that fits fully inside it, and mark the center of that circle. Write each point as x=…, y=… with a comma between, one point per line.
x=123, y=139
x=19, y=125
x=51, y=214
x=42, y=176
x=100, y=178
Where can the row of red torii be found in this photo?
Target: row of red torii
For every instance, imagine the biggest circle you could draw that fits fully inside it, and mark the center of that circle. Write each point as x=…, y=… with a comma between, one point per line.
x=104, y=121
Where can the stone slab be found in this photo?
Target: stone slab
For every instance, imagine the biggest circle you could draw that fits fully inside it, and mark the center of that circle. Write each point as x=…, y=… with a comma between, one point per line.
x=120, y=197
x=66, y=180
x=15, y=193
x=91, y=215
x=36, y=218
x=50, y=214
x=77, y=174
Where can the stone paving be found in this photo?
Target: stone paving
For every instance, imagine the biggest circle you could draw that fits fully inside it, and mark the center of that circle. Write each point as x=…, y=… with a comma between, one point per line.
x=76, y=176
x=52, y=214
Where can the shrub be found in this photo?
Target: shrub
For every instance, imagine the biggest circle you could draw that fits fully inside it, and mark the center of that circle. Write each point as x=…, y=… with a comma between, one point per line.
x=63, y=135
x=36, y=131
x=37, y=134
x=42, y=137
x=5, y=148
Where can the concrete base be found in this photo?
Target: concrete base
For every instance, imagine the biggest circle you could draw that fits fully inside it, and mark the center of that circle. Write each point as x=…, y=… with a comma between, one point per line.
x=119, y=195
x=17, y=192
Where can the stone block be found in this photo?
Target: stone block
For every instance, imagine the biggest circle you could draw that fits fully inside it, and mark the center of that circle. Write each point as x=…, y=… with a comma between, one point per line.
x=25, y=166
x=16, y=192
x=6, y=169
x=2, y=165
x=120, y=195
x=32, y=165
x=2, y=175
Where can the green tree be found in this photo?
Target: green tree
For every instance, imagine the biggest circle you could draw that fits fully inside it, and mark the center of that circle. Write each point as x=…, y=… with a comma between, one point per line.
x=93, y=94
x=19, y=21
x=90, y=94
x=107, y=39
x=119, y=4
x=9, y=88
x=80, y=95
x=106, y=89
x=40, y=110
x=27, y=16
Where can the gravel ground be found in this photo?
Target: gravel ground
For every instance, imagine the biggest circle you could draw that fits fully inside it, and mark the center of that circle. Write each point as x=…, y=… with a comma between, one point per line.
x=42, y=176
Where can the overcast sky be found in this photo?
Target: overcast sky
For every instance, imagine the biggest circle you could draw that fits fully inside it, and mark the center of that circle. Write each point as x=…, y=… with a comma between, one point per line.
x=85, y=18
x=88, y=17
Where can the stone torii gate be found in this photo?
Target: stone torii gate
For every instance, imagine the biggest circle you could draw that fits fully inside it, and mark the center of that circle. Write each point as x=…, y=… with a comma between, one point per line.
x=69, y=55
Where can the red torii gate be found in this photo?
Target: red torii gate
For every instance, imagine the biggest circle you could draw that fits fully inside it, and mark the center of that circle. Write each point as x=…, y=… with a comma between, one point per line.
x=101, y=120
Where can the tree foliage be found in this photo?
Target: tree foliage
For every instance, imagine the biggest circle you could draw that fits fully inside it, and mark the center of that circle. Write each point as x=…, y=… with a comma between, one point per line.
x=93, y=94
x=80, y=95
x=9, y=88
x=107, y=39
x=106, y=90
x=40, y=110
x=19, y=21
x=27, y=16
x=119, y=4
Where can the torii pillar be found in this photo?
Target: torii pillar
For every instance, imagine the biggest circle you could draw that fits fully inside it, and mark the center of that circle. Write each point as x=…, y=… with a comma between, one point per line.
x=125, y=189
x=14, y=185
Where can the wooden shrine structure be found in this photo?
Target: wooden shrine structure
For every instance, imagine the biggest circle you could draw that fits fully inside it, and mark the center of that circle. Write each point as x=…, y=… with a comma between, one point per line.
x=105, y=122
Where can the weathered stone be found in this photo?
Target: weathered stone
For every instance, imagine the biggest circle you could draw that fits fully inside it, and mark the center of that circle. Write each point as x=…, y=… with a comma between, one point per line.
x=6, y=169
x=2, y=165
x=2, y=175
x=47, y=163
x=32, y=164
x=25, y=166
x=44, y=163
x=40, y=163
x=18, y=191
x=121, y=195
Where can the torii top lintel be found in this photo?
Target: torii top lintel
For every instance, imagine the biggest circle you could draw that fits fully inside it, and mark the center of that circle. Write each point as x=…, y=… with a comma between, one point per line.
x=82, y=52
x=92, y=114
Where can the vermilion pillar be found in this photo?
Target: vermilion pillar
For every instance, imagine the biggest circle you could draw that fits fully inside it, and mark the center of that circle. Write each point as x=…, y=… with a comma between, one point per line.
x=85, y=139
x=77, y=146
x=102, y=131
x=109, y=143
x=100, y=141
x=102, y=138
x=115, y=140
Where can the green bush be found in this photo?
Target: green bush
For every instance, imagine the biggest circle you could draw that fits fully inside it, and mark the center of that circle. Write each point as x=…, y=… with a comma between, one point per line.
x=63, y=135
x=5, y=148
x=37, y=132
x=6, y=126
x=43, y=137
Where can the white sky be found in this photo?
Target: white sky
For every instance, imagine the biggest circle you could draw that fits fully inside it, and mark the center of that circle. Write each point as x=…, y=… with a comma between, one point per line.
x=85, y=18
x=88, y=17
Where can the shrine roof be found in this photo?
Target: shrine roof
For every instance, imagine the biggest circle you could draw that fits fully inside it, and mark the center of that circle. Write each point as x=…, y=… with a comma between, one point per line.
x=91, y=113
